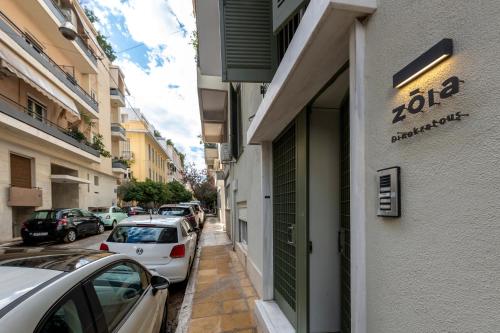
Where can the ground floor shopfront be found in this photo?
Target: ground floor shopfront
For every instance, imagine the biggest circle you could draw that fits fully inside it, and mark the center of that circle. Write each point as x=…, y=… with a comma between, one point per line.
x=32, y=177
x=376, y=206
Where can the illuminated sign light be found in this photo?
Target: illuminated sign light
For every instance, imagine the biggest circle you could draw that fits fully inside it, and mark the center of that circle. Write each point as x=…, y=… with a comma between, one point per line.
x=423, y=63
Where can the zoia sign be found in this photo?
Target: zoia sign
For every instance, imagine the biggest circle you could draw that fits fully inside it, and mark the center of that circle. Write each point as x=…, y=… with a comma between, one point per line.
x=418, y=103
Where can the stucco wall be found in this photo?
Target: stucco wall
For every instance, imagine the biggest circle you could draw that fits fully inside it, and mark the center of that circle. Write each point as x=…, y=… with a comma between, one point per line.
x=435, y=269
x=247, y=171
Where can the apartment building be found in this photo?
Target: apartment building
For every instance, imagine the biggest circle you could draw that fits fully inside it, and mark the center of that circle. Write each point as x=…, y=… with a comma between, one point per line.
x=149, y=156
x=360, y=186
x=120, y=147
x=175, y=165
x=54, y=102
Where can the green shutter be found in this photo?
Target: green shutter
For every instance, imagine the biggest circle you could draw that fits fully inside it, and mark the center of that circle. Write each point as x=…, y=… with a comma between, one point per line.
x=246, y=40
x=283, y=10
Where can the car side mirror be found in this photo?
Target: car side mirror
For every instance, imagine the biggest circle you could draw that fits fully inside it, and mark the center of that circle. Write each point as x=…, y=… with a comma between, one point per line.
x=159, y=283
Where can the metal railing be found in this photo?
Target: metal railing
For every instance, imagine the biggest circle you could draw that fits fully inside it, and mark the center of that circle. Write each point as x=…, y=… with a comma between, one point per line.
x=7, y=26
x=56, y=10
x=117, y=92
x=117, y=127
x=40, y=122
x=119, y=164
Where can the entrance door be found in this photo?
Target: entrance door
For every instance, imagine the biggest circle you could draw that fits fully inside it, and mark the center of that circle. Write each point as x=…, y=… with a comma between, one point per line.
x=290, y=236
x=345, y=221
x=20, y=176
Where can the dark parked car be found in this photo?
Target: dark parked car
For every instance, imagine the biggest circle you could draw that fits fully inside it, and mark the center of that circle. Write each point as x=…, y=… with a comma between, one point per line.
x=61, y=225
x=186, y=211
x=135, y=210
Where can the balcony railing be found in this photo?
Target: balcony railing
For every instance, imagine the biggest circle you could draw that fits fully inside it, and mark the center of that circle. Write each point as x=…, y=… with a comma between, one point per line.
x=127, y=155
x=116, y=127
x=20, y=113
x=115, y=92
x=119, y=164
x=63, y=18
x=7, y=26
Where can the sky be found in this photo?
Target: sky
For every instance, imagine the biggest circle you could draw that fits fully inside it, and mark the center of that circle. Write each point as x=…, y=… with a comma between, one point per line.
x=152, y=42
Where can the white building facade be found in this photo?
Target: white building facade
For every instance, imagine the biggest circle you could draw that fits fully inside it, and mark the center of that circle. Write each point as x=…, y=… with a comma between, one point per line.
x=361, y=190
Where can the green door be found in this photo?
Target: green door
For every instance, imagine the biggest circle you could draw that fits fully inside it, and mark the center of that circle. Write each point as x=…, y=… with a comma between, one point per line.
x=289, y=222
x=345, y=220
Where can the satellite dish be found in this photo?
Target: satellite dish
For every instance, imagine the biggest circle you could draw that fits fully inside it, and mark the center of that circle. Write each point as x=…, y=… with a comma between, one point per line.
x=68, y=30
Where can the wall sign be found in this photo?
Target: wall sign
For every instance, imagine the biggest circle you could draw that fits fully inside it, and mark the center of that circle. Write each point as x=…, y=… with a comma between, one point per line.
x=424, y=101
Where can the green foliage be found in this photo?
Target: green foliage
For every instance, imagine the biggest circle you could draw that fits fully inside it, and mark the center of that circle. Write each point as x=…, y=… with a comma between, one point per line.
x=98, y=145
x=148, y=193
x=157, y=134
x=203, y=186
x=106, y=46
x=178, y=192
x=90, y=15
x=101, y=39
x=77, y=135
x=195, y=43
x=121, y=160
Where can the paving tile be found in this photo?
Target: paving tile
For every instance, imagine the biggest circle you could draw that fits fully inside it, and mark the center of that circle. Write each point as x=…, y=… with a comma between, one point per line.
x=207, y=272
x=237, y=305
x=205, y=325
x=206, y=309
x=237, y=321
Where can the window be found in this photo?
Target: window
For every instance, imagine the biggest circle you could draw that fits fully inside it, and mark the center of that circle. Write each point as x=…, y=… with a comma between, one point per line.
x=36, y=110
x=149, y=152
x=236, y=132
x=184, y=229
x=96, y=180
x=243, y=231
x=118, y=289
x=131, y=234
x=86, y=213
x=71, y=315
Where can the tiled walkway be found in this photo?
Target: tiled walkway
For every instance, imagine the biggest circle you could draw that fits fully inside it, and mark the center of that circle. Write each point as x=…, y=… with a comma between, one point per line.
x=223, y=297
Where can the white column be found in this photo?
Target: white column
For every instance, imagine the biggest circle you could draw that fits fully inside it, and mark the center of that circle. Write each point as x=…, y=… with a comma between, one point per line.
x=267, y=222
x=357, y=164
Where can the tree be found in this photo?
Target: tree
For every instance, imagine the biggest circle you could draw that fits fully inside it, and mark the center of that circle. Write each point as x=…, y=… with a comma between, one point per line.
x=178, y=192
x=203, y=186
x=101, y=39
x=148, y=193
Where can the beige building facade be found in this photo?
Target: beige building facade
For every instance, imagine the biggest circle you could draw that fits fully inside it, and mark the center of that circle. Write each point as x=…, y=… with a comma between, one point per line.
x=55, y=100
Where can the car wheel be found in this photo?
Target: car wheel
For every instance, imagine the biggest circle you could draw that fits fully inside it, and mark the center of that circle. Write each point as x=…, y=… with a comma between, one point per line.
x=70, y=236
x=100, y=228
x=113, y=225
x=164, y=321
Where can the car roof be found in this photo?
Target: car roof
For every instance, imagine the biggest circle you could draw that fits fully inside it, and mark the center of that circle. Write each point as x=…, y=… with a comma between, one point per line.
x=151, y=219
x=175, y=206
x=24, y=270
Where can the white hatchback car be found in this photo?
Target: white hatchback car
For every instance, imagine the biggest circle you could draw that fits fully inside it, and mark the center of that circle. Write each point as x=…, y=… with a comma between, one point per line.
x=165, y=245
x=48, y=291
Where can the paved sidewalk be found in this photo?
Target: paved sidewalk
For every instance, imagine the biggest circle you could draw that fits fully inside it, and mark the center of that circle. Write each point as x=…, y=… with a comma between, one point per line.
x=222, y=296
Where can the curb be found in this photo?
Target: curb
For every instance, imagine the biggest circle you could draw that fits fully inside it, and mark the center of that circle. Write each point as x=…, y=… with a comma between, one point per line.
x=187, y=303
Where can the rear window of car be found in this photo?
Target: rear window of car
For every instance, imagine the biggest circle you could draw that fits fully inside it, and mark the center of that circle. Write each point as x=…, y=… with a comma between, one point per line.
x=43, y=215
x=99, y=210
x=146, y=234
x=175, y=211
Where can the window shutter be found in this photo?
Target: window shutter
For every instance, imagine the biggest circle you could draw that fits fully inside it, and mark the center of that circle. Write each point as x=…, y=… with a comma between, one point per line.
x=283, y=10
x=246, y=40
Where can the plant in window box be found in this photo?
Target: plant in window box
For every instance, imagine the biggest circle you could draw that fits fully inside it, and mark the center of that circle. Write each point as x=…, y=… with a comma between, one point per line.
x=76, y=134
x=98, y=145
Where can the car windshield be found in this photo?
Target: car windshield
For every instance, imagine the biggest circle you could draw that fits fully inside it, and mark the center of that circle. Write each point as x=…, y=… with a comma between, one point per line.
x=99, y=210
x=174, y=211
x=140, y=234
x=43, y=215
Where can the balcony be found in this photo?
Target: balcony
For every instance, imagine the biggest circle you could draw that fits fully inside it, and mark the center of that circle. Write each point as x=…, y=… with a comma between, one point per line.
x=8, y=27
x=117, y=98
x=54, y=8
x=119, y=166
x=127, y=155
x=24, y=197
x=118, y=131
x=19, y=113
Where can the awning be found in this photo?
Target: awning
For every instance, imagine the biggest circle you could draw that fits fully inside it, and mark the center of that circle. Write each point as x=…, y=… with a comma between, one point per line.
x=16, y=65
x=67, y=179
x=319, y=48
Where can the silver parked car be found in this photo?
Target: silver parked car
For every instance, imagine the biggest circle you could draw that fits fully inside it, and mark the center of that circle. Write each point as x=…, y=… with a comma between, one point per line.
x=47, y=291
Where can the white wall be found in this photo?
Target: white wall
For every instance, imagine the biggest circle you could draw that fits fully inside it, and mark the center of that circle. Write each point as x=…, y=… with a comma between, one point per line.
x=324, y=213
x=435, y=269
